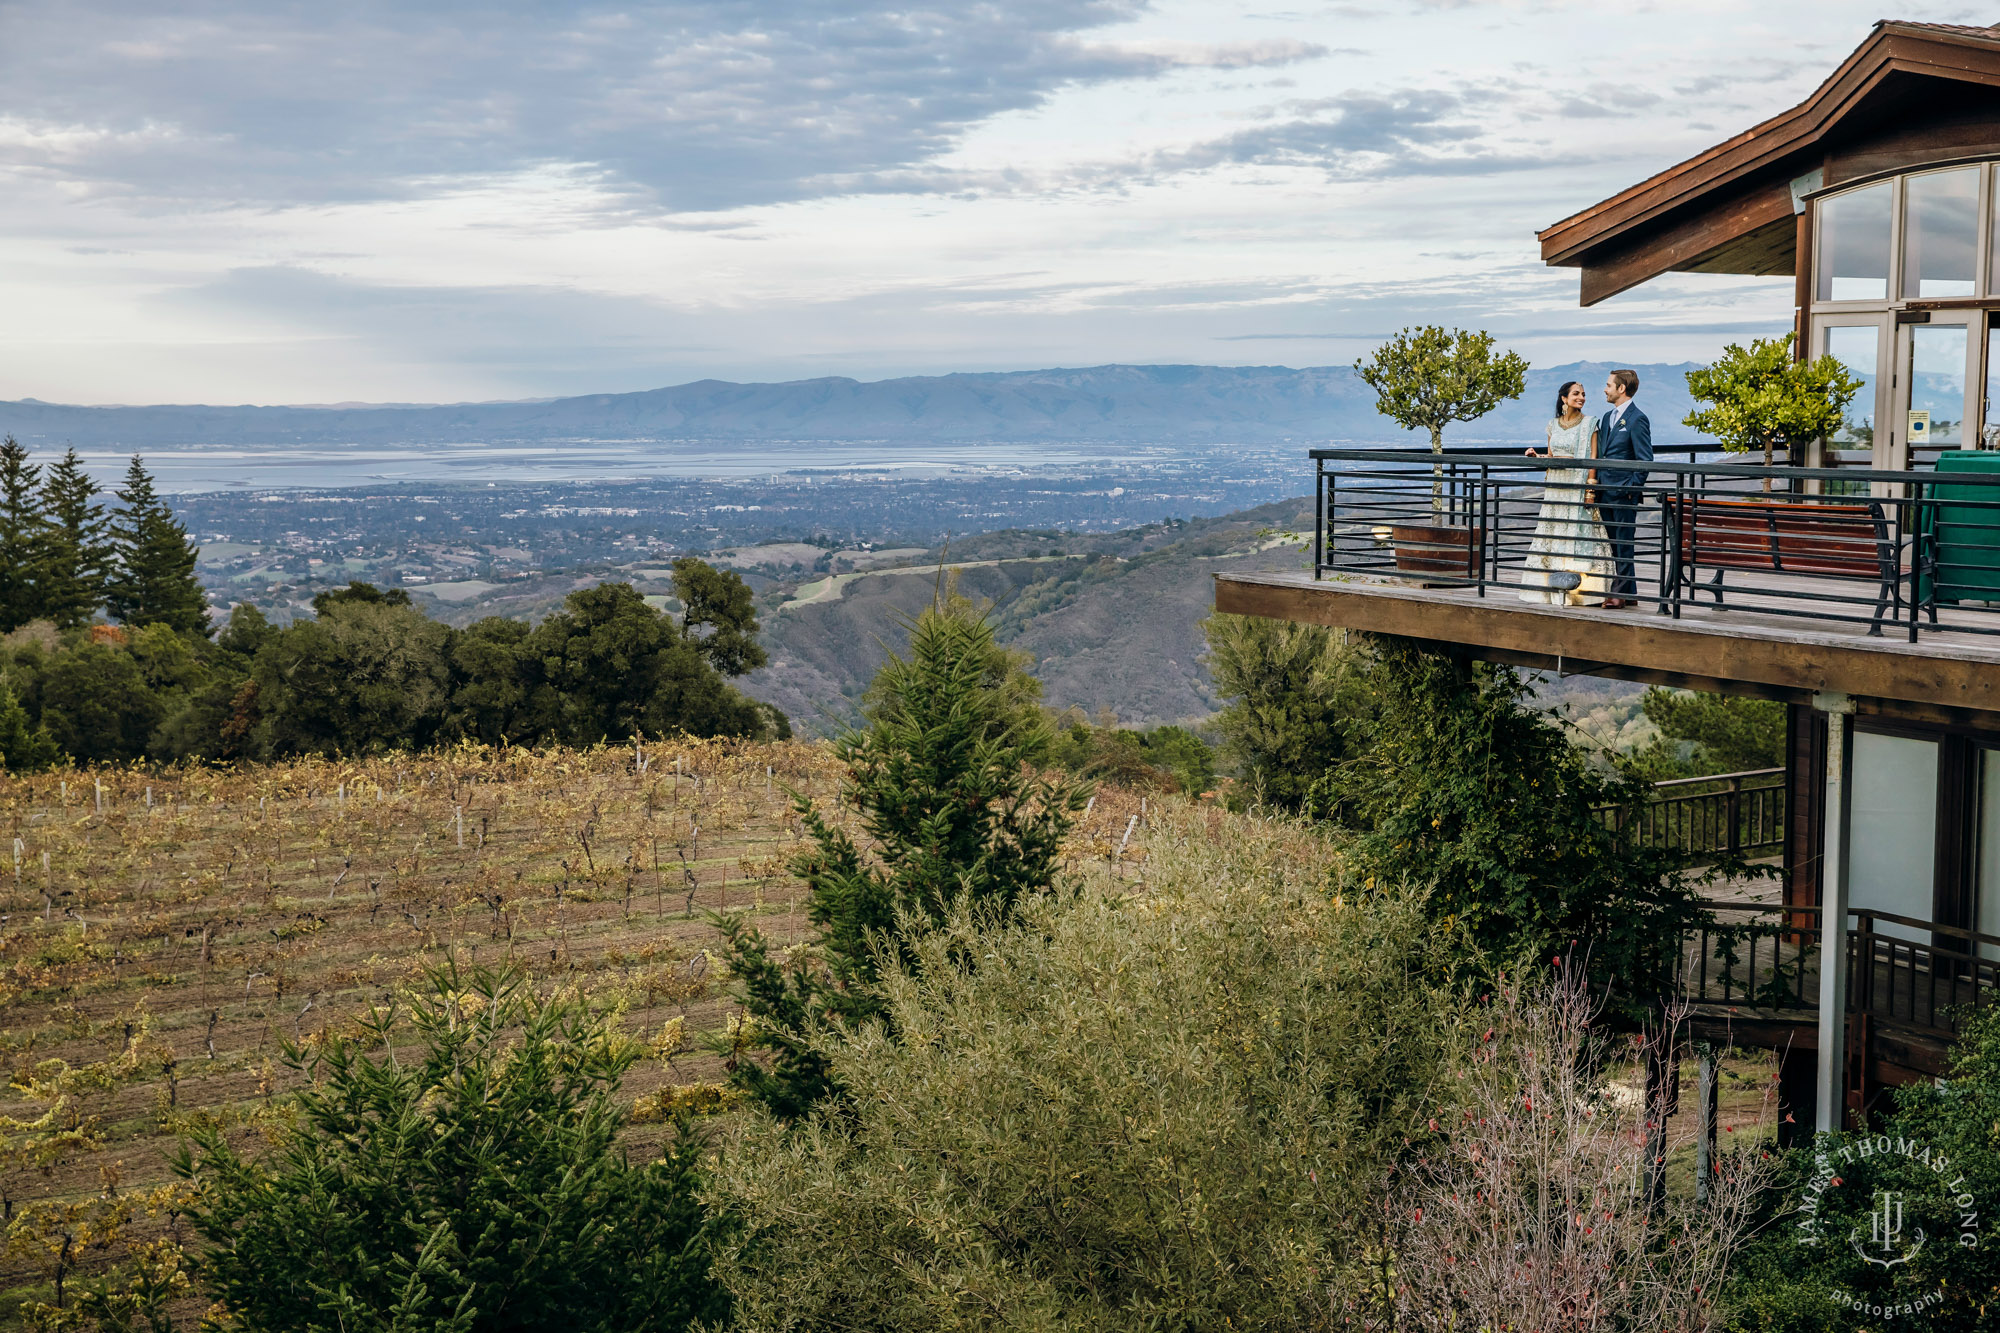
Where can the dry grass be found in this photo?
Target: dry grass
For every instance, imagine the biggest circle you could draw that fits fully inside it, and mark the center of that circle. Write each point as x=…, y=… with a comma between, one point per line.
x=163, y=942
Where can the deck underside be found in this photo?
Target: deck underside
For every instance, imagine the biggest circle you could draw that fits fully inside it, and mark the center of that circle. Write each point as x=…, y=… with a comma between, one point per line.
x=1745, y=646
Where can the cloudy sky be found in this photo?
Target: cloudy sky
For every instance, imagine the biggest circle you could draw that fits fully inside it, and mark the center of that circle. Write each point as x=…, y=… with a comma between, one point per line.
x=228, y=201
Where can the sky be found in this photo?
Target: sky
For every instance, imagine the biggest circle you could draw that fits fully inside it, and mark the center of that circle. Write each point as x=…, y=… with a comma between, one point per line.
x=265, y=201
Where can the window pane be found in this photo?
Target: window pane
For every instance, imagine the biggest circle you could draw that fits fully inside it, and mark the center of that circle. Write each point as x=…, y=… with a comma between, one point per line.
x=1937, y=380
x=1854, y=245
x=1940, y=233
x=1988, y=921
x=1892, y=848
x=1989, y=432
x=1857, y=348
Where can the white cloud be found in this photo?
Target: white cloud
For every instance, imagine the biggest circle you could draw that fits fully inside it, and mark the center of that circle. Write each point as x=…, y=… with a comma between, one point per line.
x=230, y=201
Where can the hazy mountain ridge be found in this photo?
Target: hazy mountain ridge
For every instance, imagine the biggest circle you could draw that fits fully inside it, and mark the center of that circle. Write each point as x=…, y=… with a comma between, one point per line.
x=1113, y=622
x=1193, y=405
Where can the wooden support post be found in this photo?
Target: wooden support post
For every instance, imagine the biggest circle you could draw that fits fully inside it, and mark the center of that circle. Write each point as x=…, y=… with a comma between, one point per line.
x=1704, y=1144
x=1660, y=1098
x=1830, y=1087
x=1734, y=837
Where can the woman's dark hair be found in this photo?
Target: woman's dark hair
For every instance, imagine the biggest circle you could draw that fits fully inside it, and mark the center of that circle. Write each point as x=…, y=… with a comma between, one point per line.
x=1563, y=393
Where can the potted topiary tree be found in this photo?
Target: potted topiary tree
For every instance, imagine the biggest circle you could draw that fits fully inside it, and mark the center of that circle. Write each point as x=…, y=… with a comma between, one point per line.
x=1764, y=396
x=1425, y=379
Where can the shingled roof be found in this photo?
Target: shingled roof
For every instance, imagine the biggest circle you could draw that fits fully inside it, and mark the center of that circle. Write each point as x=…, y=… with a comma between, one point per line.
x=1729, y=209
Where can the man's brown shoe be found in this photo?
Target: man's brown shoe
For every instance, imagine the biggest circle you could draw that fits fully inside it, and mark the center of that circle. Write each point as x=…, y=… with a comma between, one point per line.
x=1615, y=604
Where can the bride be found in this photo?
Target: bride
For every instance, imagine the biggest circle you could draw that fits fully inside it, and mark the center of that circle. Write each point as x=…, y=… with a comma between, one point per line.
x=1569, y=538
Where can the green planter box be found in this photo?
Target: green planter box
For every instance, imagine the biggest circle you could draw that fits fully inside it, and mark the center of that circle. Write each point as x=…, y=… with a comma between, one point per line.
x=1965, y=535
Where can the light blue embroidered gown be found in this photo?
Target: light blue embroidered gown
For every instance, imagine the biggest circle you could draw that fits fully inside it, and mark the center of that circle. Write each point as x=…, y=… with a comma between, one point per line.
x=1568, y=534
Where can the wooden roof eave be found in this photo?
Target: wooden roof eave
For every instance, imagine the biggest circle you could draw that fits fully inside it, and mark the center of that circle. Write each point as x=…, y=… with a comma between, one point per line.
x=1891, y=50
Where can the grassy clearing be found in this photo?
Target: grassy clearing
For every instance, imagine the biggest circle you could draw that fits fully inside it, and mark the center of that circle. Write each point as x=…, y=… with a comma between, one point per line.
x=161, y=935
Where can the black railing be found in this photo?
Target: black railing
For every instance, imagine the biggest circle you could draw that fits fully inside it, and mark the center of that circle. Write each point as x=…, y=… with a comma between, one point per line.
x=1902, y=971
x=1889, y=550
x=1756, y=955
x=1926, y=984
x=1732, y=815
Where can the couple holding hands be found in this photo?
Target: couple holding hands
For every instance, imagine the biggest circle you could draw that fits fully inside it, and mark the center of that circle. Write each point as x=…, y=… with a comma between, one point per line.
x=1588, y=519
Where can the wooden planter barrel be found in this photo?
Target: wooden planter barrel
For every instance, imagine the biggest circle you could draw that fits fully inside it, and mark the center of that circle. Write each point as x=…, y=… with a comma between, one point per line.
x=1450, y=550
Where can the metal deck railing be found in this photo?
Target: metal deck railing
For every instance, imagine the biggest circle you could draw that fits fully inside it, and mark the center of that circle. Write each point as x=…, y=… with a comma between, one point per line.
x=1905, y=552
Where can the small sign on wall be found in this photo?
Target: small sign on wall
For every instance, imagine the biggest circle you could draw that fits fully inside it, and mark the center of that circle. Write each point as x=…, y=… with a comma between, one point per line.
x=1920, y=427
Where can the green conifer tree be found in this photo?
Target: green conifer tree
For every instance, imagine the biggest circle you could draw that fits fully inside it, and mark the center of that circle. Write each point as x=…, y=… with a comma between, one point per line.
x=24, y=548
x=953, y=807
x=154, y=582
x=469, y=1181
x=77, y=544
x=1469, y=792
x=24, y=748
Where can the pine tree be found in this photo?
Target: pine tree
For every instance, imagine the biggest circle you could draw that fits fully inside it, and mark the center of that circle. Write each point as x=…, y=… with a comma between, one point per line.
x=944, y=779
x=78, y=553
x=154, y=582
x=24, y=550
x=24, y=748
x=471, y=1180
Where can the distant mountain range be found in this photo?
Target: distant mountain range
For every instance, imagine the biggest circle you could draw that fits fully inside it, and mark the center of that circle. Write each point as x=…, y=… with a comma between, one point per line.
x=1186, y=405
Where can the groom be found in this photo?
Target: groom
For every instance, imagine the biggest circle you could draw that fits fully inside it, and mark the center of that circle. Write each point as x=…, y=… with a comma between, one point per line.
x=1624, y=433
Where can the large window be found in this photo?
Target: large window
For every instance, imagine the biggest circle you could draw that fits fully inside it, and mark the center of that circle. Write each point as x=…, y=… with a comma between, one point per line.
x=1854, y=244
x=1940, y=234
x=1892, y=862
x=1925, y=236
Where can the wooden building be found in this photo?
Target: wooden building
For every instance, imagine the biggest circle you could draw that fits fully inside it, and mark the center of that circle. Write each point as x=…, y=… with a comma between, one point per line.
x=1883, y=181
x=1866, y=598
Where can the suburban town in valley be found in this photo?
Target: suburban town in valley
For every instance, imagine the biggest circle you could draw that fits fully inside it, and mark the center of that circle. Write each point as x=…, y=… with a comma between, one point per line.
x=1054, y=668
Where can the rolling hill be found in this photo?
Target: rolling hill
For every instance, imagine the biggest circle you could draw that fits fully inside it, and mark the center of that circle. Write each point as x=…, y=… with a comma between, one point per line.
x=1113, y=622
x=1191, y=405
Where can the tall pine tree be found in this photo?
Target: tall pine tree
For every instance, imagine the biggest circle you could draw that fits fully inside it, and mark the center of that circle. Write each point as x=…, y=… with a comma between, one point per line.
x=945, y=777
x=24, y=747
x=24, y=548
x=154, y=582
x=77, y=544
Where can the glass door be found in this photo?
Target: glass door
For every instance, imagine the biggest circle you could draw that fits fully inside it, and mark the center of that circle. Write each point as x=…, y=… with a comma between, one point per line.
x=1989, y=426
x=1935, y=383
x=1860, y=343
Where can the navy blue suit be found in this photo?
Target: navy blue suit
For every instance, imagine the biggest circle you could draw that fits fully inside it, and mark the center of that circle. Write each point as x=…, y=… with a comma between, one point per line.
x=1618, y=493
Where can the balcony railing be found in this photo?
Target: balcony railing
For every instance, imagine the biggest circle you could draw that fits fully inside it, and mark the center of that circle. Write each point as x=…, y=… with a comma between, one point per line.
x=1757, y=955
x=1765, y=957
x=1903, y=552
x=1729, y=815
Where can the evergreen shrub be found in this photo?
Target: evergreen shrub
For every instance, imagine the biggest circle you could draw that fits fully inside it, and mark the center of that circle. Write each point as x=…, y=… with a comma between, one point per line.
x=1936, y=1157
x=1467, y=792
x=1173, y=1111
x=473, y=1186
x=944, y=777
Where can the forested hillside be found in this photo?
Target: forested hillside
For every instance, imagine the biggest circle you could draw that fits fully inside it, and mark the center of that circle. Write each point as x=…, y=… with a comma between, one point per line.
x=1112, y=621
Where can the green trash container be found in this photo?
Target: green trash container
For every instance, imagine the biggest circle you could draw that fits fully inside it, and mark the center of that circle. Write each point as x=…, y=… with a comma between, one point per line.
x=1963, y=528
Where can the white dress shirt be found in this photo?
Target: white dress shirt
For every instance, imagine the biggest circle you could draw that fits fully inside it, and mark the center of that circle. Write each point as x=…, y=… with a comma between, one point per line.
x=1611, y=417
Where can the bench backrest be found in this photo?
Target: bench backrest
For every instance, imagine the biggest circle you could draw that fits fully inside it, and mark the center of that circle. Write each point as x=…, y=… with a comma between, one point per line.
x=1842, y=539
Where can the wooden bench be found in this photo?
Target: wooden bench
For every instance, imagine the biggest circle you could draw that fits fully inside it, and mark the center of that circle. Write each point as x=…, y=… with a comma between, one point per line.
x=1835, y=540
